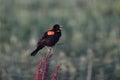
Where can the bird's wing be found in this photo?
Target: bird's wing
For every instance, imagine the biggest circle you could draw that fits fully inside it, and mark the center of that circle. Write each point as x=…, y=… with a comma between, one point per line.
x=45, y=38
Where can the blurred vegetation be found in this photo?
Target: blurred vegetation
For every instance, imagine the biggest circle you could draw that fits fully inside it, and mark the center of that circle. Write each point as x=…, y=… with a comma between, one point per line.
x=91, y=37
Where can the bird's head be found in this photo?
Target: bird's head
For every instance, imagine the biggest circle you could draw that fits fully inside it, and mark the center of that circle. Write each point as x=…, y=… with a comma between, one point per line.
x=57, y=27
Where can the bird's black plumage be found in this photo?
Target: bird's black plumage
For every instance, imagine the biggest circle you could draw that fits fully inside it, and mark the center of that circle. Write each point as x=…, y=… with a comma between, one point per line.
x=50, y=38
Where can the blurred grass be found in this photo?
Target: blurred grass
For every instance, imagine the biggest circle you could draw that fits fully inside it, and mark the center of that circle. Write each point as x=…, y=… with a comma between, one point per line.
x=87, y=24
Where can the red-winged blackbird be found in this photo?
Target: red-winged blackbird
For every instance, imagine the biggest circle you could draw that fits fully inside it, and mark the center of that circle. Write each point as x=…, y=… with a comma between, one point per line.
x=50, y=38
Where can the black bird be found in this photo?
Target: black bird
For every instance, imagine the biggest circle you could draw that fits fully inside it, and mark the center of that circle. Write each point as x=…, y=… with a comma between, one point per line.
x=49, y=39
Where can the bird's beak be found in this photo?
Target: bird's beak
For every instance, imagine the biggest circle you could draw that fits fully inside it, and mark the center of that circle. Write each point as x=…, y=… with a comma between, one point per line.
x=60, y=28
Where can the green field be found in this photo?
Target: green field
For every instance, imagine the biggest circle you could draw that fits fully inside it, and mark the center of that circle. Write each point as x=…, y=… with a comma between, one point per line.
x=90, y=37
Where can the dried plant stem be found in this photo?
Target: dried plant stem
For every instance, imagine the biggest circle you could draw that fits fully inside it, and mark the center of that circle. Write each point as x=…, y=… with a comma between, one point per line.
x=90, y=64
x=55, y=73
x=42, y=72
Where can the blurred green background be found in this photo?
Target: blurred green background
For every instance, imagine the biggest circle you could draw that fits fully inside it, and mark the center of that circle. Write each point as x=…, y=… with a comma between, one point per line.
x=91, y=38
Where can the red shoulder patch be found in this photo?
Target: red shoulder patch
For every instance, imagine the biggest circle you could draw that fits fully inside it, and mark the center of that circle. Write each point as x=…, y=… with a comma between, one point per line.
x=50, y=33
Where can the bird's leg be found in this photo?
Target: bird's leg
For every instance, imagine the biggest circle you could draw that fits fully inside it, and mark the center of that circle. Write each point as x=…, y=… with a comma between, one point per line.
x=50, y=51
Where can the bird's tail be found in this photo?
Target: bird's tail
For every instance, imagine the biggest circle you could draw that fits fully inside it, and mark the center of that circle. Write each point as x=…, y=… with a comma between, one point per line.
x=36, y=50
